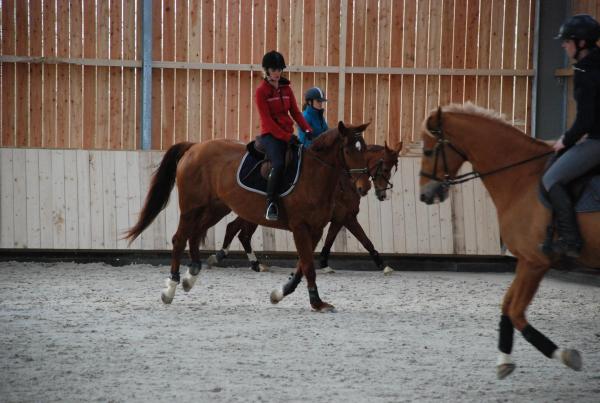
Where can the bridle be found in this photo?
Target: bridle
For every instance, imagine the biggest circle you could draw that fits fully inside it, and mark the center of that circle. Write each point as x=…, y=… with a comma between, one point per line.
x=379, y=173
x=347, y=171
x=439, y=151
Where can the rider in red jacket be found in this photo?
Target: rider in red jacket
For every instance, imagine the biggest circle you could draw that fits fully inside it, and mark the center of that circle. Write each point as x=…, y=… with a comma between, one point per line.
x=275, y=102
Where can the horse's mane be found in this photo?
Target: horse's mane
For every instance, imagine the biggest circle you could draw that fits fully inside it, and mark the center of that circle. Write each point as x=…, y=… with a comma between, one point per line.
x=326, y=139
x=468, y=108
x=374, y=147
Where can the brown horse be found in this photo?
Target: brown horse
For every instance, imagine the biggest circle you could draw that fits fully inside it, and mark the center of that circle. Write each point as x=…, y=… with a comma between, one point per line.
x=511, y=165
x=382, y=161
x=208, y=190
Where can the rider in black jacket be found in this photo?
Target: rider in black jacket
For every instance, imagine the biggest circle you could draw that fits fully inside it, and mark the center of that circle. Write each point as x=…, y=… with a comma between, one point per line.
x=579, y=36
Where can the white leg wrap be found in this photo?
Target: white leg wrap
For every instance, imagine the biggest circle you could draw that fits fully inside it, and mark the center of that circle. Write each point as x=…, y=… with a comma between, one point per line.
x=251, y=257
x=388, y=270
x=504, y=359
x=188, y=281
x=557, y=355
x=169, y=292
x=571, y=358
x=276, y=296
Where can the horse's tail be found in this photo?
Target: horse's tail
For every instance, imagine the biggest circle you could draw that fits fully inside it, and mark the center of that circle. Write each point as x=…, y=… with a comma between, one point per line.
x=162, y=183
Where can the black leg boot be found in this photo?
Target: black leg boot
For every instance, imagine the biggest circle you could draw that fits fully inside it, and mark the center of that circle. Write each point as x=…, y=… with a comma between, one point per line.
x=272, y=213
x=569, y=240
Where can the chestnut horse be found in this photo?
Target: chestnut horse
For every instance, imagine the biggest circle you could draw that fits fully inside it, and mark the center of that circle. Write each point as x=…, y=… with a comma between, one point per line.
x=382, y=161
x=208, y=190
x=510, y=165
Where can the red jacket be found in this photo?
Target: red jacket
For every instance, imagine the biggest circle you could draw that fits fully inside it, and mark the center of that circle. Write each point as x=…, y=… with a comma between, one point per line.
x=273, y=107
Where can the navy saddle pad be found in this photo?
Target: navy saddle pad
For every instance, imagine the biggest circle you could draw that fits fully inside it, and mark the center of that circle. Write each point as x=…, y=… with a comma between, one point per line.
x=588, y=200
x=249, y=177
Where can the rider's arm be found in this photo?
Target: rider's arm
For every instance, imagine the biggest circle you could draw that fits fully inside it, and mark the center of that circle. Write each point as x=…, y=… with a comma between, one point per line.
x=297, y=115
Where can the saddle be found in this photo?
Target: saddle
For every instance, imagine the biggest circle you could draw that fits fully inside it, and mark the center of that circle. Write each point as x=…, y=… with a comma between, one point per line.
x=257, y=150
x=584, y=191
x=255, y=167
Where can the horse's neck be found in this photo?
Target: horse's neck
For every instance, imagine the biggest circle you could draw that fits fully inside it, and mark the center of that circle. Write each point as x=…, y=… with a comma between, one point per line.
x=495, y=146
x=324, y=167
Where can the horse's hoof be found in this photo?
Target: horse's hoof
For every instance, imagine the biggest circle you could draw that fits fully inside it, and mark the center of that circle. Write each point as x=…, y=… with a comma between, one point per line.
x=327, y=270
x=168, y=293
x=188, y=281
x=572, y=359
x=166, y=299
x=388, y=270
x=276, y=296
x=211, y=261
x=263, y=268
x=323, y=307
x=504, y=370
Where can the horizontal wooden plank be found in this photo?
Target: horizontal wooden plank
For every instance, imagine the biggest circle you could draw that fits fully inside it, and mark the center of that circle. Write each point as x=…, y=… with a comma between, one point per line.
x=258, y=67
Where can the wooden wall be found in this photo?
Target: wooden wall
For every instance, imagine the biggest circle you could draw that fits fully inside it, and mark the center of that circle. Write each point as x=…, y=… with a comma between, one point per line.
x=71, y=69
x=85, y=199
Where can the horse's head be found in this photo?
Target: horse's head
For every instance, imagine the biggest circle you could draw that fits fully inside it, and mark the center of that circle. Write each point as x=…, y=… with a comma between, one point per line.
x=440, y=162
x=382, y=163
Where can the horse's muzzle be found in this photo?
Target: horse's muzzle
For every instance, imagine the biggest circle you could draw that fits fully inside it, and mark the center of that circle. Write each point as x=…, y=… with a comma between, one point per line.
x=381, y=195
x=362, y=191
x=433, y=192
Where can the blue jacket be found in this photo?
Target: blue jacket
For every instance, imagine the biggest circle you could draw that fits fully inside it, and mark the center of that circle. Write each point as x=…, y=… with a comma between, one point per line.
x=317, y=122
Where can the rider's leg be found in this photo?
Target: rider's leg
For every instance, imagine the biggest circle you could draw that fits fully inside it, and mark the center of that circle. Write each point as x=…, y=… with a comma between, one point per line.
x=575, y=162
x=275, y=150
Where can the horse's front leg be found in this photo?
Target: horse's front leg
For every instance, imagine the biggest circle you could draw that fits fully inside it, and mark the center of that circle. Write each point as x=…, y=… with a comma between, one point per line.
x=306, y=245
x=289, y=287
x=516, y=301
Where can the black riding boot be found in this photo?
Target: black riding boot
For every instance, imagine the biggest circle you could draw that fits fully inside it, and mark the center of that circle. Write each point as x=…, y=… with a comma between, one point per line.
x=272, y=213
x=569, y=240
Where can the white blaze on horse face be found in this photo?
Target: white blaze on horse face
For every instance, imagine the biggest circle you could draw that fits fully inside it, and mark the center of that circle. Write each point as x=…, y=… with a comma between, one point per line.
x=358, y=146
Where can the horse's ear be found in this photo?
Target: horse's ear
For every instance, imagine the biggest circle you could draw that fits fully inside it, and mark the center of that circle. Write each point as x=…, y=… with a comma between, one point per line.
x=341, y=127
x=398, y=148
x=385, y=145
x=362, y=127
x=432, y=121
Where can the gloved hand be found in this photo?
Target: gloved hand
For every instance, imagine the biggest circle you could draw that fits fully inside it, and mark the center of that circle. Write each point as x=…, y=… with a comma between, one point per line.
x=294, y=140
x=309, y=135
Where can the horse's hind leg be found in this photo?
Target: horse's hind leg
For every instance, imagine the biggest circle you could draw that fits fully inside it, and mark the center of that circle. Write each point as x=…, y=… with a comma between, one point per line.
x=245, y=237
x=180, y=239
x=334, y=229
x=517, y=300
x=230, y=232
x=204, y=220
x=359, y=233
x=189, y=278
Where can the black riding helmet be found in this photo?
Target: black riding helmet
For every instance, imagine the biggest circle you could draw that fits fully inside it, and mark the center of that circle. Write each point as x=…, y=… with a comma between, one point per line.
x=273, y=60
x=580, y=27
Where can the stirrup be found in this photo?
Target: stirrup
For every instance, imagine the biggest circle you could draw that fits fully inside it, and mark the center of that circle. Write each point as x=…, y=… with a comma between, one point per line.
x=272, y=213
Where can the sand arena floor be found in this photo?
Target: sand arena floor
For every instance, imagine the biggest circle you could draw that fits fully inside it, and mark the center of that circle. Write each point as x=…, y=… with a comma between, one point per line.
x=92, y=332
